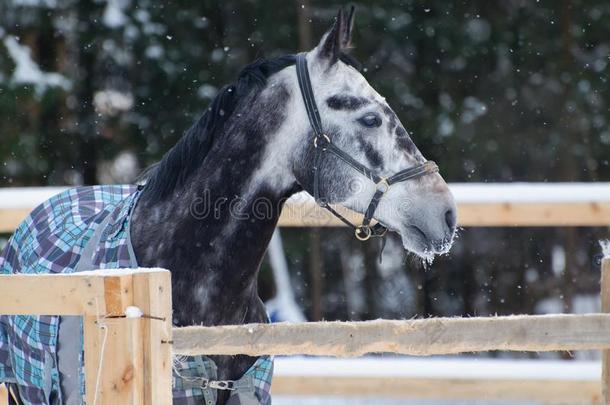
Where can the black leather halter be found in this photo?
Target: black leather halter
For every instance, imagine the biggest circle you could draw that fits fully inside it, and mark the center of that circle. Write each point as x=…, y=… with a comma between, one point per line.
x=322, y=143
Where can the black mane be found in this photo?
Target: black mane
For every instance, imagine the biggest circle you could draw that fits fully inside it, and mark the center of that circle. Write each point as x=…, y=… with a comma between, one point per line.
x=188, y=154
x=190, y=151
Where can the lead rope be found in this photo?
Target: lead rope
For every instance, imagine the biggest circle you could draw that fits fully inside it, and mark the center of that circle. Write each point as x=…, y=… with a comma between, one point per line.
x=104, y=327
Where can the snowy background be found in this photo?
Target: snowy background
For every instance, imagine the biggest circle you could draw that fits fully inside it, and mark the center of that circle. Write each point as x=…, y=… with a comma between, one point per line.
x=92, y=91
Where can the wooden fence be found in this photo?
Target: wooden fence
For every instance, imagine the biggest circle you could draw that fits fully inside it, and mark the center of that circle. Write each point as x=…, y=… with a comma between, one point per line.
x=139, y=350
x=128, y=360
x=489, y=204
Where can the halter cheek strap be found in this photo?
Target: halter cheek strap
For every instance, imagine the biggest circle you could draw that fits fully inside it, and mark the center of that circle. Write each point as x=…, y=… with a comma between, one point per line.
x=322, y=143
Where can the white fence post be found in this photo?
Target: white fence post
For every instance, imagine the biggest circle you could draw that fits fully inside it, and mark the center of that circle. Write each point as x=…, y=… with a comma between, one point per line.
x=605, y=297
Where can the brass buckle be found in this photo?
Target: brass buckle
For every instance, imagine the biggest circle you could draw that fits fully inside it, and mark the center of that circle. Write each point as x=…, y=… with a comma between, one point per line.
x=315, y=140
x=430, y=166
x=363, y=229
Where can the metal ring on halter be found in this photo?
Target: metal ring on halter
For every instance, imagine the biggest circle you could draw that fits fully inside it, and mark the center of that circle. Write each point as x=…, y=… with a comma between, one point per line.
x=383, y=185
x=363, y=228
x=315, y=140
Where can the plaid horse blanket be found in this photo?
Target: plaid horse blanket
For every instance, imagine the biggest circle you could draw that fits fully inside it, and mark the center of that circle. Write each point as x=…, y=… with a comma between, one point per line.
x=80, y=229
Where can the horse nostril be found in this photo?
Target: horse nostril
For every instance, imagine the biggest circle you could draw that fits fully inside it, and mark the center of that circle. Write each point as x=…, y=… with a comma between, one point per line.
x=450, y=219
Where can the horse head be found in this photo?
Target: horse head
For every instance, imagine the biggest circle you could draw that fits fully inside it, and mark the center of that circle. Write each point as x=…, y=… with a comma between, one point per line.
x=373, y=156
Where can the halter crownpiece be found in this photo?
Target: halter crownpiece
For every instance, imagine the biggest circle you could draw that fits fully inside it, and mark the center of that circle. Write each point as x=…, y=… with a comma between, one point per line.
x=322, y=143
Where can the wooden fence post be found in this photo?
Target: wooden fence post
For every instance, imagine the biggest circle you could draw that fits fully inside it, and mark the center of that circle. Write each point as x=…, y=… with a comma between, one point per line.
x=113, y=349
x=605, y=296
x=3, y=395
x=128, y=360
x=153, y=295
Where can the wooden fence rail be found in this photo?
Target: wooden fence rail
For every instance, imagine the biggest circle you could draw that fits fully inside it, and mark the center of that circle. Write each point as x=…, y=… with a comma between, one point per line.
x=421, y=337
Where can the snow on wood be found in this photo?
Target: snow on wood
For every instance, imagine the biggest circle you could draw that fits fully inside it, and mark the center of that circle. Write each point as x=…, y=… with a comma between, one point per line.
x=425, y=337
x=530, y=192
x=518, y=192
x=113, y=272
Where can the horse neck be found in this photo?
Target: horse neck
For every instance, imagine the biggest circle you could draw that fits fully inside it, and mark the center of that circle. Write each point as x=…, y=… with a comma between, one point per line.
x=213, y=232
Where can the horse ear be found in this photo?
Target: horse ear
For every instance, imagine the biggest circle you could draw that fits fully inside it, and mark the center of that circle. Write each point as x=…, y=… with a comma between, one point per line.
x=337, y=40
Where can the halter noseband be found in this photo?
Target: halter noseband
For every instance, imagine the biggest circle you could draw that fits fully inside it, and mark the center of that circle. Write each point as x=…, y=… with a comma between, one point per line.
x=322, y=143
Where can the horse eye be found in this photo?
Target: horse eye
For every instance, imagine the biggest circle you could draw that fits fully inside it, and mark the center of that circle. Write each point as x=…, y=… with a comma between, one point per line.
x=370, y=120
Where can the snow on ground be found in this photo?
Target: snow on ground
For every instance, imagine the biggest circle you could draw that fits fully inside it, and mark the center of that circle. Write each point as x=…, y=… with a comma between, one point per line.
x=469, y=368
x=283, y=306
x=315, y=400
x=441, y=368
